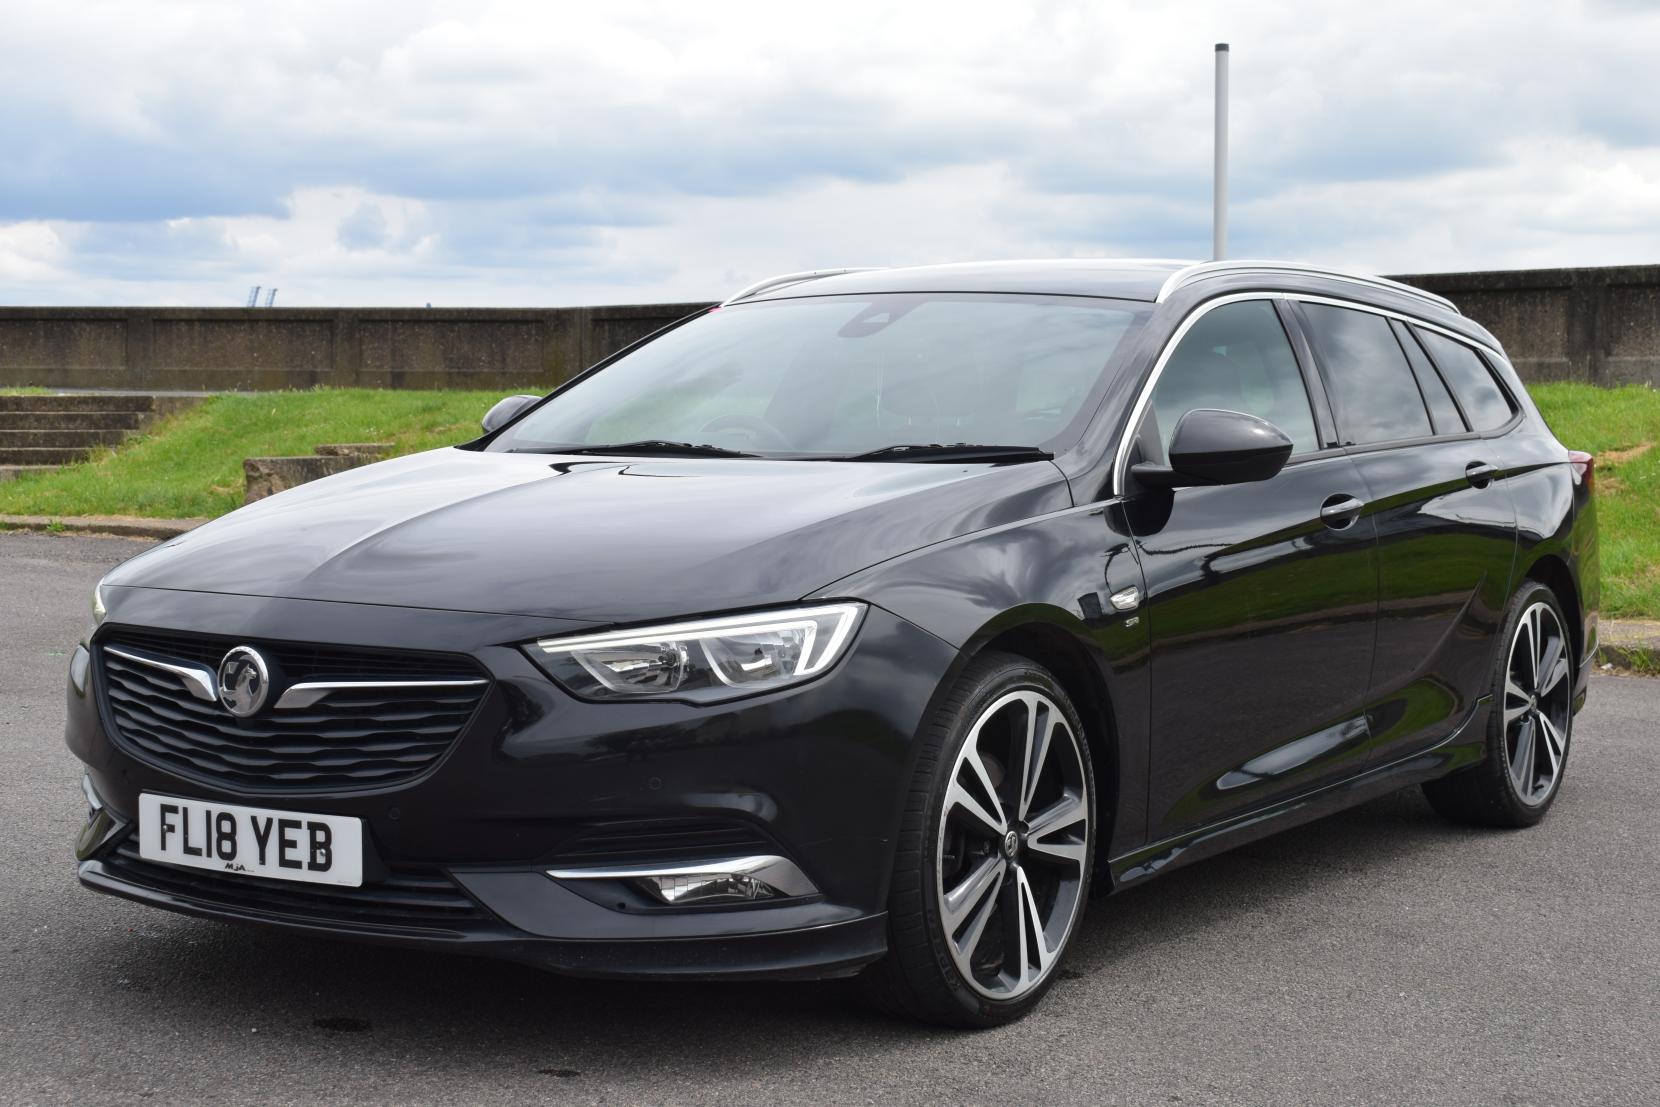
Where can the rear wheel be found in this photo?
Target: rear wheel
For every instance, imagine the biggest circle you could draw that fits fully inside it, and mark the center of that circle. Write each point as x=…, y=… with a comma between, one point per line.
x=993, y=865
x=1529, y=726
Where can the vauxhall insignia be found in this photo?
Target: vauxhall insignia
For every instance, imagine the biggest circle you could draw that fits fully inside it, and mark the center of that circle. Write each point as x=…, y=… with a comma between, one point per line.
x=244, y=681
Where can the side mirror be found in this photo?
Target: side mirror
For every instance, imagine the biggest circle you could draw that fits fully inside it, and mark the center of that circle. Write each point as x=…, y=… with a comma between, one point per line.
x=1212, y=446
x=504, y=411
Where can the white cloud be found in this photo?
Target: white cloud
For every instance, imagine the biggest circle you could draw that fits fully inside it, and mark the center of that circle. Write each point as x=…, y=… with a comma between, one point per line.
x=521, y=152
x=30, y=252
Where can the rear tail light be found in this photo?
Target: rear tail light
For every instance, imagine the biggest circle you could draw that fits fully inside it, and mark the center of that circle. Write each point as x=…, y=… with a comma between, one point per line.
x=1585, y=468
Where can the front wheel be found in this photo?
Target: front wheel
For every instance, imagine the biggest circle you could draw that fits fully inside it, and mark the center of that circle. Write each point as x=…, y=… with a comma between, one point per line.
x=993, y=863
x=1528, y=727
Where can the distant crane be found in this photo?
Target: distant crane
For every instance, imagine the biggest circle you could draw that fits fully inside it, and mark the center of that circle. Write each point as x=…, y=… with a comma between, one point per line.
x=253, y=296
x=270, y=297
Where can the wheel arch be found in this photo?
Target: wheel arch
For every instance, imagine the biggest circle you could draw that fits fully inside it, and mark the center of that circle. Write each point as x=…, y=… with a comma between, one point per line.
x=1082, y=672
x=1551, y=571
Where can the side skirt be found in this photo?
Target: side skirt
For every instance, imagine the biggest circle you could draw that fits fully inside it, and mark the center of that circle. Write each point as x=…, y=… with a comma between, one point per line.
x=1463, y=747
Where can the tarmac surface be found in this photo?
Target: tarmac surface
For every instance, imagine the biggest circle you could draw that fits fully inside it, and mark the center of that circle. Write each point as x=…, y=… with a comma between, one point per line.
x=1377, y=956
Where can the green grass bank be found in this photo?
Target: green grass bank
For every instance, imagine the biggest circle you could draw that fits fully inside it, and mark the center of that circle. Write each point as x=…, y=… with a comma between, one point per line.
x=1621, y=426
x=191, y=465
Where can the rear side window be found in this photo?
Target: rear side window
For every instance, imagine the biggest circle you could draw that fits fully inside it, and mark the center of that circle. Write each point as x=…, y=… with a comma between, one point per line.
x=1442, y=409
x=1471, y=380
x=1373, y=389
x=1237, y=358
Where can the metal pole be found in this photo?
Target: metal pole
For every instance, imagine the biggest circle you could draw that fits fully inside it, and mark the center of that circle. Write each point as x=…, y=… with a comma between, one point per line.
x=1219, y=196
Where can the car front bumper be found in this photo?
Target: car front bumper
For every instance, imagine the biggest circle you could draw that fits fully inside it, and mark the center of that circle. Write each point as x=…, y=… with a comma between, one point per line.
x=458, y=858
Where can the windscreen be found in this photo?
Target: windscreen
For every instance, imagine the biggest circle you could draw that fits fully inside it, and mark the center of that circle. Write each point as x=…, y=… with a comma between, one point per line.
x=845, y=375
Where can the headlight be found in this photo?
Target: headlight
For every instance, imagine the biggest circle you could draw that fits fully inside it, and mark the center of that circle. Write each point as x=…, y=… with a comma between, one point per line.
x=98, y=611
x=705, y=661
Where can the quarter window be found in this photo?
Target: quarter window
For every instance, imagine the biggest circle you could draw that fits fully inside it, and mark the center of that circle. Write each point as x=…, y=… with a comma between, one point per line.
x=1471, y=380
x=1442, y=409
x=1373, y=389
x=1237, y=358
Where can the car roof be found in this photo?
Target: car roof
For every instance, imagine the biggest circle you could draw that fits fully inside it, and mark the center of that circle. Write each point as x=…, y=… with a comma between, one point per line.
x=1151, y=280
x=1125, y=279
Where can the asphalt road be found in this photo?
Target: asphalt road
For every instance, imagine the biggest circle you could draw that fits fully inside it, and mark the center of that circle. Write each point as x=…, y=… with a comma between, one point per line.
x=1378, y=956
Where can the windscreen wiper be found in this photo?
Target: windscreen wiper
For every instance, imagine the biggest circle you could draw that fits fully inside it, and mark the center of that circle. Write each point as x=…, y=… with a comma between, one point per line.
x=956, y=451
x=645, y=447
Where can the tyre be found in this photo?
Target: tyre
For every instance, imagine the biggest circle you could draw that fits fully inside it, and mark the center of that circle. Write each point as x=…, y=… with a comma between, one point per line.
x=1529, y=726
x=995, y=849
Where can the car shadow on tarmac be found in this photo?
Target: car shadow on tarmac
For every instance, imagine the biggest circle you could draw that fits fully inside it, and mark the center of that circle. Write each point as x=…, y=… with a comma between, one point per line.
x=391, y=1001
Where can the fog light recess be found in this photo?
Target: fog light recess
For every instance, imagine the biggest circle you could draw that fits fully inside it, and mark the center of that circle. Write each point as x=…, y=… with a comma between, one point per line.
x=706, y=888
x=706, y=883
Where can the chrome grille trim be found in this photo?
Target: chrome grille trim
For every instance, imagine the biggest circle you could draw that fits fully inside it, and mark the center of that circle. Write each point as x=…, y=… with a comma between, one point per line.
x=309, y=693
x=345, y=734
x=199, y=681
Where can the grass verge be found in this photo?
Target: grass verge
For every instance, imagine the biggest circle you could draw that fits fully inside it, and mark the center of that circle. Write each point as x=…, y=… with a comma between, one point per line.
x=1621, y=426
x=190, y=465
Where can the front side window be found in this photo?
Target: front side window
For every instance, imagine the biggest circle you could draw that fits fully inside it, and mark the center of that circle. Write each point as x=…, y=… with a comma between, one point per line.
x=1472, y=382
x=1372, y=387
x=1237, y=358
x=840, y=375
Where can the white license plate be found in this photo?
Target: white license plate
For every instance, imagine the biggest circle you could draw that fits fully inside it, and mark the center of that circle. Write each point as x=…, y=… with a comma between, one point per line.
x=228, y=838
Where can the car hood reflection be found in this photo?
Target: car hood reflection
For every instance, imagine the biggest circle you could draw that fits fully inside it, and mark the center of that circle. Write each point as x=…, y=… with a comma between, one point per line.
x=593, y=539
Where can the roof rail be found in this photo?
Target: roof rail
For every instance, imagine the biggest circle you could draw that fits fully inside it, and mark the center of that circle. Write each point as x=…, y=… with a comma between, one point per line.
x=1204, y=269
x=792, y=278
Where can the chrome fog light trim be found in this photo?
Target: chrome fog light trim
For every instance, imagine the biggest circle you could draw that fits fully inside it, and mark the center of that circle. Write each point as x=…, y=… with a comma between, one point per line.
x=93, y=803
x=733, y=879
x=101, y=826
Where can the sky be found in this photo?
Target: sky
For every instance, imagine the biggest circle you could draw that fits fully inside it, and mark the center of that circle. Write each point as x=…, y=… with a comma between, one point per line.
x=517, y=154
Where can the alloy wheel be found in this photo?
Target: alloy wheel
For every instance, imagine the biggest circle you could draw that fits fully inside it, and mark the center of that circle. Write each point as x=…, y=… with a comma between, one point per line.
x=1013, y=843
x=1537, y=704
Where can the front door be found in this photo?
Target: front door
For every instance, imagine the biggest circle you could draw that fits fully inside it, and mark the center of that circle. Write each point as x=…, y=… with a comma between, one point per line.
x=1260, y=602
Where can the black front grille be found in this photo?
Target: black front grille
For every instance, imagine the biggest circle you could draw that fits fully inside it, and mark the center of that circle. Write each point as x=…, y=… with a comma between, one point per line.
x=407, y=898
x=349, y=739
x=649, y=840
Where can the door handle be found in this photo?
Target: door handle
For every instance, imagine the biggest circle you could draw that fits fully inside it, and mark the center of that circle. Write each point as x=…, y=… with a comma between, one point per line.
x=1480, y=474
x=1339, y=512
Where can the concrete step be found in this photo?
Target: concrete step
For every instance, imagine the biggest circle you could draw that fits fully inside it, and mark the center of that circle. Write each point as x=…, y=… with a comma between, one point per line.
x=41, y=455
x=12, y=472
x=99, y=401
x=266, y=476
x=64, y=439
x=370, y=451
x=74, y=420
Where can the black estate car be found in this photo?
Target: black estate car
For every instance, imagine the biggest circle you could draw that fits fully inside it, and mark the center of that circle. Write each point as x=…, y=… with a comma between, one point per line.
x=864, y=624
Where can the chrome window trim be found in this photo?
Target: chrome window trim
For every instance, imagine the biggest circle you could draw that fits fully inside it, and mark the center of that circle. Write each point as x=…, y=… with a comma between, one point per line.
x=1414, y=320
x=1120, y=466
x=1493, y=359
x=1182, y=278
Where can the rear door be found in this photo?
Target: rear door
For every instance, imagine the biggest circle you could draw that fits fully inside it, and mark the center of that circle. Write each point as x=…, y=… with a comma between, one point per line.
x=1259, y=606
x=1445, y=522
